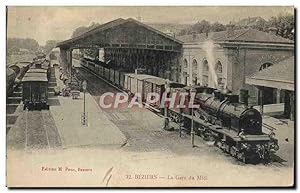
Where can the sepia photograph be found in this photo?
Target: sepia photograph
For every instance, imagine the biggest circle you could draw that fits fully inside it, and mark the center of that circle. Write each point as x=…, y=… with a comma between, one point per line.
x=150, y=96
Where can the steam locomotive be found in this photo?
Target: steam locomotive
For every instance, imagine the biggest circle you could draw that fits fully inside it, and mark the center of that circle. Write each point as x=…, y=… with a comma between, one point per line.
x=232, y=125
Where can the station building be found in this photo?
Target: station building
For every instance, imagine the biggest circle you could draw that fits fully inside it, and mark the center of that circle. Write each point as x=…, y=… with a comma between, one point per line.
x=224, y=59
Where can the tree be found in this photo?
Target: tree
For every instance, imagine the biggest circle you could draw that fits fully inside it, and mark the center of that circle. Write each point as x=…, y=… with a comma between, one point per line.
x=82, y=29
x=215, y=27
x=201, y=27
x=30, y=44
x=50, y=44
x=284, y=24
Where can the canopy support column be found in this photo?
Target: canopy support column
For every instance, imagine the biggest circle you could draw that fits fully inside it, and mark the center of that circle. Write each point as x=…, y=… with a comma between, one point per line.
x=64, y=59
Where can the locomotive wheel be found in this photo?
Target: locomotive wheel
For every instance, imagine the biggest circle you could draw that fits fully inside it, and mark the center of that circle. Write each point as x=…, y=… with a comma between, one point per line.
x=227, y=148
x=233, y=152
x=251, y=158
x=267, y=158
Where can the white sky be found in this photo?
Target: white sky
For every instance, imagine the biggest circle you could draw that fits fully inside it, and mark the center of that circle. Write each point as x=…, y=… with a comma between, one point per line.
x=58, y=23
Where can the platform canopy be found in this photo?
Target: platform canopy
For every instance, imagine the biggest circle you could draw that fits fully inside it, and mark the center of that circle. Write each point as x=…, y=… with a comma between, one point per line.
x=123, y=33
x=280, y=75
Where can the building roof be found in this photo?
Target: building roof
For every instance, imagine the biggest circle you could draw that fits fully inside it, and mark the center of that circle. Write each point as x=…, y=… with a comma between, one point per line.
x=113, y=24
x=35, y=74
x=280, y=75
x=37, y=70
x=34, y=79
x=241, y=35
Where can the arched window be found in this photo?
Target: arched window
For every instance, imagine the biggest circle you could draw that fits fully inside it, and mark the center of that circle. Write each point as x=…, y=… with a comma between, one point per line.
x=195, y=70
x=185, y=63
x=205, y=65
x=195, y=65
x=265, y=65
x=219, y=68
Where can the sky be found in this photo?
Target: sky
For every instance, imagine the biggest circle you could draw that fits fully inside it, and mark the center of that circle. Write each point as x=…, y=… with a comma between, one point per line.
x=58, y=23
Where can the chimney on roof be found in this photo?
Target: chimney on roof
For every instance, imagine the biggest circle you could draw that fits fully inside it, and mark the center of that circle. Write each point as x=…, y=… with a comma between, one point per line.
x=272, y=30
x=230, y=30
x=194, y=35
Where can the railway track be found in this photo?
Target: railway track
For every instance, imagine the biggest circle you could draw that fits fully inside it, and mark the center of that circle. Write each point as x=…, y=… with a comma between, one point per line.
x=40, y=131
x=13, y=103
x=35, y=131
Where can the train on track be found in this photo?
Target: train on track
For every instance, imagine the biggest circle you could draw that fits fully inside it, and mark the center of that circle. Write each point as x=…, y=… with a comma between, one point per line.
x=35, y=86
x=233, y=126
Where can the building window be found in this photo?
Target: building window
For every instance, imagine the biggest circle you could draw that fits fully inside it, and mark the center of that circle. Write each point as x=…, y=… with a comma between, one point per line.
x=195, y=70
x=195, y=79
x=265, y=65
x=195, y=65
x=219, y=68
x=205, y=66
x=185, y=63
x=205, y=80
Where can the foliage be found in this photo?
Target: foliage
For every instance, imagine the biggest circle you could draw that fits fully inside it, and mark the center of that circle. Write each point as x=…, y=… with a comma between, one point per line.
x=203, y=27
x=16, y=44
x=50, y=44
x=283, y=23
x=82, y=29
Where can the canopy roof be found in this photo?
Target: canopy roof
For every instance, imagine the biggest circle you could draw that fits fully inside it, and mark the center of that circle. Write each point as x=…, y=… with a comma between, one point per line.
x=123, y=33
x=281, y=75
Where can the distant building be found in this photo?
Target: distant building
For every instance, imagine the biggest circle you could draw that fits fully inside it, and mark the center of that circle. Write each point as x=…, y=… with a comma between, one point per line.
x=224, y=59
x=250, y=21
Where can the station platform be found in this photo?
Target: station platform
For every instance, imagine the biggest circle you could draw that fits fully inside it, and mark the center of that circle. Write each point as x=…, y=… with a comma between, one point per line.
x=284, y=131
x=67, y=116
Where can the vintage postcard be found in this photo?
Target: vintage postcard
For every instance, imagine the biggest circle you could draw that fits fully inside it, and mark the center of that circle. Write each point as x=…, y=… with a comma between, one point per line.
x=150, y=96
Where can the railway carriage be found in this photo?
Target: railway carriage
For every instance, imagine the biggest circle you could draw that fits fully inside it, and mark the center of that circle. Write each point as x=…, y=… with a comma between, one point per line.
x=35, y=91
